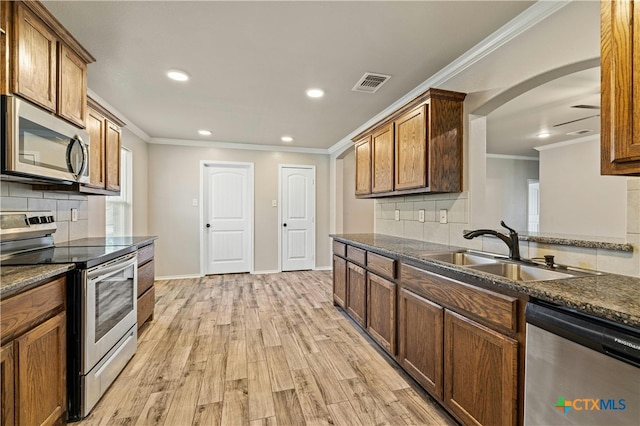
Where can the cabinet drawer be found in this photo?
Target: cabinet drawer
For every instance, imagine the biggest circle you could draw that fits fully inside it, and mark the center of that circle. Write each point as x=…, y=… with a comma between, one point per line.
x=145, y=254
x=24, y=311
x=339, y=248
x=493, y=307
x=357, y=255
x=146, y=303
x=381, y=265
x=146, y=277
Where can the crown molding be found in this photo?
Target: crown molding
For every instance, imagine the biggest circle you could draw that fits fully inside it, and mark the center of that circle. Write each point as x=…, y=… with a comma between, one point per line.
x=512, y=157
x=236, y=145
x=536, y=13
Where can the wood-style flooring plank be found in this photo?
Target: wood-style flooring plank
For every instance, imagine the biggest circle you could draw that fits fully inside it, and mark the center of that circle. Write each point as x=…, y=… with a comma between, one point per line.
x=269, y=350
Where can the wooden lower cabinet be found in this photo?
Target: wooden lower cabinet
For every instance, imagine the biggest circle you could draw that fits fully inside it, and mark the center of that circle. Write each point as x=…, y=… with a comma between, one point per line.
x=339, y=281
x=40, y=373
x=146, y=288
x=381, y=311
x=7, y=367
x=420, y=339
x=480, y=365
x=357, y=293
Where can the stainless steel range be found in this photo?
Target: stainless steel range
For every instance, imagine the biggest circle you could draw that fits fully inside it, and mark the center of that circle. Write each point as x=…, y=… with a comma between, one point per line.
x=101, y=302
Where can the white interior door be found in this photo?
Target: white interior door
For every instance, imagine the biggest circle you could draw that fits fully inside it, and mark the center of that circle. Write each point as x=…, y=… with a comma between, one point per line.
x=228, y=218
x=298, y=214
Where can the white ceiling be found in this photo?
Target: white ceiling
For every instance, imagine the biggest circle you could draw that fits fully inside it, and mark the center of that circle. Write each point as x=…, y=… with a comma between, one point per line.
x=513, y=128
x=251, y=62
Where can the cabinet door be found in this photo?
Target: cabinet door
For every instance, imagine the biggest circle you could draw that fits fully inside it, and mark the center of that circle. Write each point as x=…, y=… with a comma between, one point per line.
x=357, y=293
x=381, y=311
x=411, y=149
x=363, y=166
x=382, y=160
x=112, y=157
x=41, y=390
x=72, y=87
x=339, y=281
x=34, y=61
x=480, y=364
x=620, y=102
x=7, y=385
x=420, y=334
x=96, y=125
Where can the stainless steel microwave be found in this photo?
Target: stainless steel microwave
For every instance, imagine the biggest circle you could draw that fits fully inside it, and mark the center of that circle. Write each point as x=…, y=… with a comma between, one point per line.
x=38, y=146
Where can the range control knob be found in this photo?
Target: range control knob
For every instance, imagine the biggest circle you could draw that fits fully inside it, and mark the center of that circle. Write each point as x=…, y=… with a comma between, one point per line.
x=34, y=220
x=50, y=219
x=43, y=219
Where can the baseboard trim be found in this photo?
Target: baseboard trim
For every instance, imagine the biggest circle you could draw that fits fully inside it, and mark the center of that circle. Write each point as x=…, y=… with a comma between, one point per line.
x=323, y=268
x=178, y=277
x=275, y=271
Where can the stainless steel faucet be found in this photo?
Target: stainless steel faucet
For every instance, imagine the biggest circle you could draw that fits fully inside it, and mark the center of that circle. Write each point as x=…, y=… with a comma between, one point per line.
x=511, y=241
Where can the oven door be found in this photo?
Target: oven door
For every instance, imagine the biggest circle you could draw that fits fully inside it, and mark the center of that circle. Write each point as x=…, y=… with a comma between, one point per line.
x=110, y=308
x=40, y=146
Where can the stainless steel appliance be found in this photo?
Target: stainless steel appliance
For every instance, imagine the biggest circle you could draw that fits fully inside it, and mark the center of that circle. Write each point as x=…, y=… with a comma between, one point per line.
x=38, y=146
x=101, y=302
x=580, y=370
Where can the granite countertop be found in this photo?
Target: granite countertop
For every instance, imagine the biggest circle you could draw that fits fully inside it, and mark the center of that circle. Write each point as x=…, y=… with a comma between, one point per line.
x=137, y=241
x=609, y=296
x=16, y=279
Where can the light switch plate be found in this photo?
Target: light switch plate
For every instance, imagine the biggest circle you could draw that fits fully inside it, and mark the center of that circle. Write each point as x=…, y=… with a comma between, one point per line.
x=274, y=203
x=397, y=215
x=443, y=216
x=74, y=215
x=420, y=215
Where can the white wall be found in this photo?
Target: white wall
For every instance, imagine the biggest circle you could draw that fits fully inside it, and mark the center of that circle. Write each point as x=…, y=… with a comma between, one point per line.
x=575, y=198
x=174, y=181
x=507, y=190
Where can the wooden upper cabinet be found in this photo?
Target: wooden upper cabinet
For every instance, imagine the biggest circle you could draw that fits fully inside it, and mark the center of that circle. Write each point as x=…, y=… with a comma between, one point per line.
x=363, y=166
x=96, y=126
x=35, y=59
x=411, y=149
x=382, y=155
x=72, y=89
x=416, y=149
x=620, y=87
x=112, y=156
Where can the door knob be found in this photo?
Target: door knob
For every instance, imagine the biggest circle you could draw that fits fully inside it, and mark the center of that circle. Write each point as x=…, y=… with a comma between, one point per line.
x=284, y=224
x=208, y=225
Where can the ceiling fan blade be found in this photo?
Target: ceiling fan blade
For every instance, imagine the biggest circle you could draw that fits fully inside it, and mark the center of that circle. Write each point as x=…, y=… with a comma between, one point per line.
x=575, y=121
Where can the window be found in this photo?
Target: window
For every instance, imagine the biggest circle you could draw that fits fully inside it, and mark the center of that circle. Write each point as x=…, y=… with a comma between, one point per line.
x=119, y=211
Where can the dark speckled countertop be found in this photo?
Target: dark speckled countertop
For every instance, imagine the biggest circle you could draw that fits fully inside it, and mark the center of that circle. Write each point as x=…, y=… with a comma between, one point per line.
x=16, y=279
x=609, y=296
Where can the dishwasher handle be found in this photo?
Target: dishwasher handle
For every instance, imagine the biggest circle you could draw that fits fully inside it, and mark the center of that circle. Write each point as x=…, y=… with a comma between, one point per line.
x=604, y=337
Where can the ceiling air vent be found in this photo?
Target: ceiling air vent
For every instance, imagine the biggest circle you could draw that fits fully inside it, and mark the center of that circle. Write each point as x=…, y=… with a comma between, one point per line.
x=370, y=82
x=579, y=132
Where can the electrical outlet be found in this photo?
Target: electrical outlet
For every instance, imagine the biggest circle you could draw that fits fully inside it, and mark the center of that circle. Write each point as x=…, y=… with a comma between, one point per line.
x=74, y=215
x=443, y=216
x=194, y=202
x=420, y=215
x=397, y=215
x=274, y=203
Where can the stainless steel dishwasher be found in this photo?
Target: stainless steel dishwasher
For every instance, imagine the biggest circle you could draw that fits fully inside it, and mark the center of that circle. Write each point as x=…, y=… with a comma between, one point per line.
x=580, y=370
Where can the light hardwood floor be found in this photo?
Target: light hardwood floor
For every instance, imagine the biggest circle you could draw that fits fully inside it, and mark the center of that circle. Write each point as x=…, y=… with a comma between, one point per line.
x=258, y=350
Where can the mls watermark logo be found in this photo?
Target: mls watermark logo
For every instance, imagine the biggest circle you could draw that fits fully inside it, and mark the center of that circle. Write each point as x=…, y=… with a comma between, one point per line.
x=590, y=404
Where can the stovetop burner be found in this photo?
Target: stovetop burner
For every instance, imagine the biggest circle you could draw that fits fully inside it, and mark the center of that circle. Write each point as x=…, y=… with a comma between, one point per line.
x=83, y=257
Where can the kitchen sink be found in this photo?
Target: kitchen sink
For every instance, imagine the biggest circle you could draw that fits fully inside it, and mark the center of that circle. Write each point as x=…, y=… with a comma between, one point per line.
x=516, y=270
x=462, y=258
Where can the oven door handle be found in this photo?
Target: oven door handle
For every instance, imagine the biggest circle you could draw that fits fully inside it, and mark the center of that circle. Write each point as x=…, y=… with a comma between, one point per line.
x=102, y=271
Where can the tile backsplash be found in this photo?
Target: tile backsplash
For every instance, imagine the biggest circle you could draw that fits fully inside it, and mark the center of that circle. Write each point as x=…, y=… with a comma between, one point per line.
x=20, y=196
x=457, y=206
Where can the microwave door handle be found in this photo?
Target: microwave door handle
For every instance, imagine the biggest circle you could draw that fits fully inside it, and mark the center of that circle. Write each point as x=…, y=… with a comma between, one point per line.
x=70, y=165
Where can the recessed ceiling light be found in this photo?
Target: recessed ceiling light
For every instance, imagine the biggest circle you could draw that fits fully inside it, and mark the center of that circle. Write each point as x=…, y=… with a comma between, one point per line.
x=205, y=132
x=315, y=93
x=178, y=75
x=543, y=135
x=286, y=139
